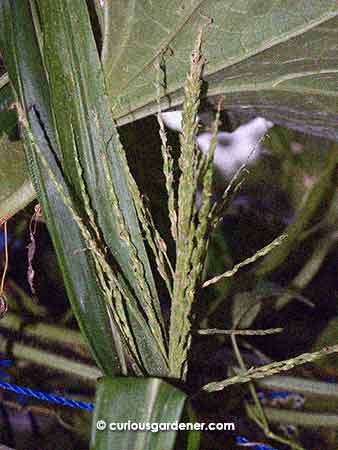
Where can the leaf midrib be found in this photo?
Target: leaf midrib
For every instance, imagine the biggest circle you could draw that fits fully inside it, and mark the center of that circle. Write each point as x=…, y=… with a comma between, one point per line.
x=255, y=87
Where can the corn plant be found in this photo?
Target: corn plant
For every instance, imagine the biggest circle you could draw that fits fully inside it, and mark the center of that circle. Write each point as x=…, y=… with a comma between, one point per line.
x=76, y=72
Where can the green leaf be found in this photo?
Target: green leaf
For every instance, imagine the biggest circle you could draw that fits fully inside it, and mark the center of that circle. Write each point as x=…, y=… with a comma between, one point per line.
x=245, y=309
x=323, y=188
x=135, y=400
x=20, y=50
x=193, y=437
x=278, y=58
x=329, y=336
x=300, y=418
x=218, y=258
x=77, y=93
x=78, y=99
x=16, y=188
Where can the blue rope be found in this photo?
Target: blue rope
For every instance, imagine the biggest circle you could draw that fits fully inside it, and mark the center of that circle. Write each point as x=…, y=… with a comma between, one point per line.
x=45, y=396
x=277, y=394
x=240, y=440
x=20, y=390
x=6, y=362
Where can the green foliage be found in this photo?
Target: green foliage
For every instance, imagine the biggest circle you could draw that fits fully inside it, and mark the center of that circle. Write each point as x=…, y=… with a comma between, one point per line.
x=80, y=101
x=287, y=70
x=16, y=190
x=16, y=187
x=245, y=309
x=266, y=55
x=135, y=400
x=23, y=60
x=329, y=336
x=324, y=187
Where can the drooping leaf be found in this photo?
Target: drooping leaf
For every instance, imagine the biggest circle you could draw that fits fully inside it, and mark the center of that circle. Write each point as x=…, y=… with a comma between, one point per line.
x=218, y=257
x=278, y=58
x=135, y=401
x=21, y=55
x=16, y=187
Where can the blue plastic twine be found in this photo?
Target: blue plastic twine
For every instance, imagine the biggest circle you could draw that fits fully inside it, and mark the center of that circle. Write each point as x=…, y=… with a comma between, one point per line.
x=45, y=396
x=240, y=440
x=21, y=390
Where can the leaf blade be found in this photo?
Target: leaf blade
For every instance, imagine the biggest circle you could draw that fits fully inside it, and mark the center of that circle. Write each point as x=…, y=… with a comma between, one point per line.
x=20, y=50
x=136, y=400
x=16, y=190
x=78, y=97
x=255, y=53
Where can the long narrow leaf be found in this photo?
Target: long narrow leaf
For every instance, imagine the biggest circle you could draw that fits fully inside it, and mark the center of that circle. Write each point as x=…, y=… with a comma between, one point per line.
x=21, y=54
x=78, y=98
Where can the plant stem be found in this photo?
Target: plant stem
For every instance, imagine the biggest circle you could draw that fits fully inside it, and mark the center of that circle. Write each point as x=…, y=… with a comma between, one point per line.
x=251, y=385
x=270, y=369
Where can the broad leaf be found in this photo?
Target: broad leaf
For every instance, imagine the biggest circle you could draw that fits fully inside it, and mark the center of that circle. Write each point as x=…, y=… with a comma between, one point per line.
x=278, y=58
x=16, y=190
x=135, y=401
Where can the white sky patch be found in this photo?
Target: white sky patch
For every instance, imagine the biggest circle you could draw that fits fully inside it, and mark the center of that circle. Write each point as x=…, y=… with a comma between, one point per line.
x=173, y=120
x=232, y=149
